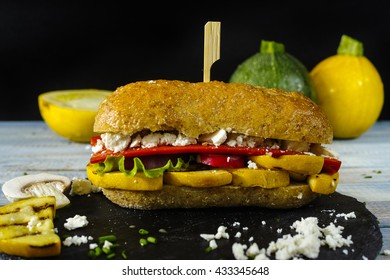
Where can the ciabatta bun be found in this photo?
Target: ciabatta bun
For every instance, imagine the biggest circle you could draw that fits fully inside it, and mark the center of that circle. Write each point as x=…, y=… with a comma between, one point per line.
x=205, y=107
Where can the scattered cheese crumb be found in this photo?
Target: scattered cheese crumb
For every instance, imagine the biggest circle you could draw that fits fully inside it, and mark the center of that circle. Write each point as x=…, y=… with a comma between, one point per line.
x=238, y=234
x=221, y=233
x=213, y=244
x=252, y=165
x=76, y=222
x=386, y=252
x=306, y=242
x=76, y=240
x=239, y=251
x=236, y=224
x=207, y=237
x=347, y=216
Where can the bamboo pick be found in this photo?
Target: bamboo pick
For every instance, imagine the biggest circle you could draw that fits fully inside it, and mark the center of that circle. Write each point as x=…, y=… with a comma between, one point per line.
x=212, y=38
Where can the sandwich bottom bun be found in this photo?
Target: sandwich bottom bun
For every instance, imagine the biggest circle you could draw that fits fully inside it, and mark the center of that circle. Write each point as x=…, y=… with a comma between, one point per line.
x=295, y=195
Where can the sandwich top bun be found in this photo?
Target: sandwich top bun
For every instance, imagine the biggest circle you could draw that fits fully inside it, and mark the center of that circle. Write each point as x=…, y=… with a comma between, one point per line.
x=200, y=108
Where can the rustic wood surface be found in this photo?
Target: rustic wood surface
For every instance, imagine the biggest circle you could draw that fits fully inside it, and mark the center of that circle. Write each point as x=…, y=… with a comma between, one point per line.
x=31, y=147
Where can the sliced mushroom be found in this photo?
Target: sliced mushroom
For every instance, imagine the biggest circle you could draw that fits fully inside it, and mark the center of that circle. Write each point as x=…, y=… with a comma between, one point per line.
x=35, y=185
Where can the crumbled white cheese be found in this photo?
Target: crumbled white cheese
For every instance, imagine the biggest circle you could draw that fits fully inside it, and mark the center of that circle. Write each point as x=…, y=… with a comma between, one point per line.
x=92, y=246
x=263, y=223
x=136, y=141
x=300, y=195
x=213, y=244
x=333, y=237
x=239, y=251
x=115, y=141
x=236, y=224
x=151, y=140
x=386, y=252
x=211, y=238
x=207, y=237
x=81, y=186
x=221, y=233
x=347, y=216
x=238, y=234
x=306, y=242
x=253, y=250
x=167, y=139
x=76, y=222
x=33, y=222
x=76, y=240
x=98, y=147
x=182, y=140
x=217, y=138
x=252, y=165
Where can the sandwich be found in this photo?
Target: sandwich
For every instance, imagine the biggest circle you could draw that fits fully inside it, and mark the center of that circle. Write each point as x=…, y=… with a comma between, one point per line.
x=177, y=144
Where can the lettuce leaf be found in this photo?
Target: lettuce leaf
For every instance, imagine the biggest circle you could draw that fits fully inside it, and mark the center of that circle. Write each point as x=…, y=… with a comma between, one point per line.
x=115, y=163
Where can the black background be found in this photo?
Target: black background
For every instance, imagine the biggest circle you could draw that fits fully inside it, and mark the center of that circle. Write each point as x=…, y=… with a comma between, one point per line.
x=51, y=45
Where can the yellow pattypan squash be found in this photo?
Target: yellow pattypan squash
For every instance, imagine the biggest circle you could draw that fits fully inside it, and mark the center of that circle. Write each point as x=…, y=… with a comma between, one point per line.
x=349, y=89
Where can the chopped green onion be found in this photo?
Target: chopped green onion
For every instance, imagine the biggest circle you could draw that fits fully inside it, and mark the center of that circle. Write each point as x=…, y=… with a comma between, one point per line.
x=98, y=251
x=110, y=256
x=143, y=242
x=151, y=239
x=110, y=238
x=143, y=231
x=208, y=249
x=123, y=253
x=92, y=254
x=107, y=250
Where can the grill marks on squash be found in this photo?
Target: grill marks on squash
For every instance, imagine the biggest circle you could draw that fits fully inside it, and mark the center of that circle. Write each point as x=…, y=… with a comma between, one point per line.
x=27, y=228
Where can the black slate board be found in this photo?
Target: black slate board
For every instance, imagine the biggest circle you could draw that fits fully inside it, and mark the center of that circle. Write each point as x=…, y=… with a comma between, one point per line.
x=183, y=228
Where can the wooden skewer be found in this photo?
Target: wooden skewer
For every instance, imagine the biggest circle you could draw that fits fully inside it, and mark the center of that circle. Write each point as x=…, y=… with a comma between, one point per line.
x=212, y=38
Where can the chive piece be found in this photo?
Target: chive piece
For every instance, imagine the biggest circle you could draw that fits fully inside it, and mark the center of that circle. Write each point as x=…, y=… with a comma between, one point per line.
x=110, y=256
x=143, y=231
x=208, y=249
x=106, y=250
x=98, y=251
x=110, y=238
x=92, y=254
x=123, y=253
x=143, y=242
x=151, y=239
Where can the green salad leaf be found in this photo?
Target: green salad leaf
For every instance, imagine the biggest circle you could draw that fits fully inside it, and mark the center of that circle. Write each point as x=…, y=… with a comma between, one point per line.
x=115, y=163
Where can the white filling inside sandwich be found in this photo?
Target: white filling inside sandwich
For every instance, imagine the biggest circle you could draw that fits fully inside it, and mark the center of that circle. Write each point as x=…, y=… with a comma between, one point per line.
x=118, y=142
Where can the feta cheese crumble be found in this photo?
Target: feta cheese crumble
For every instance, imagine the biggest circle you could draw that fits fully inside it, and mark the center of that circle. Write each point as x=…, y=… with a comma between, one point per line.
x=76, y=240
x=76, y=222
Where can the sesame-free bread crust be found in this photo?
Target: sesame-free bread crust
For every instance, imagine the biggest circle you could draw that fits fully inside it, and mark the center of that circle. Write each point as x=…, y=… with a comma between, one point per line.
x=205, y=107
x=293, y=196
